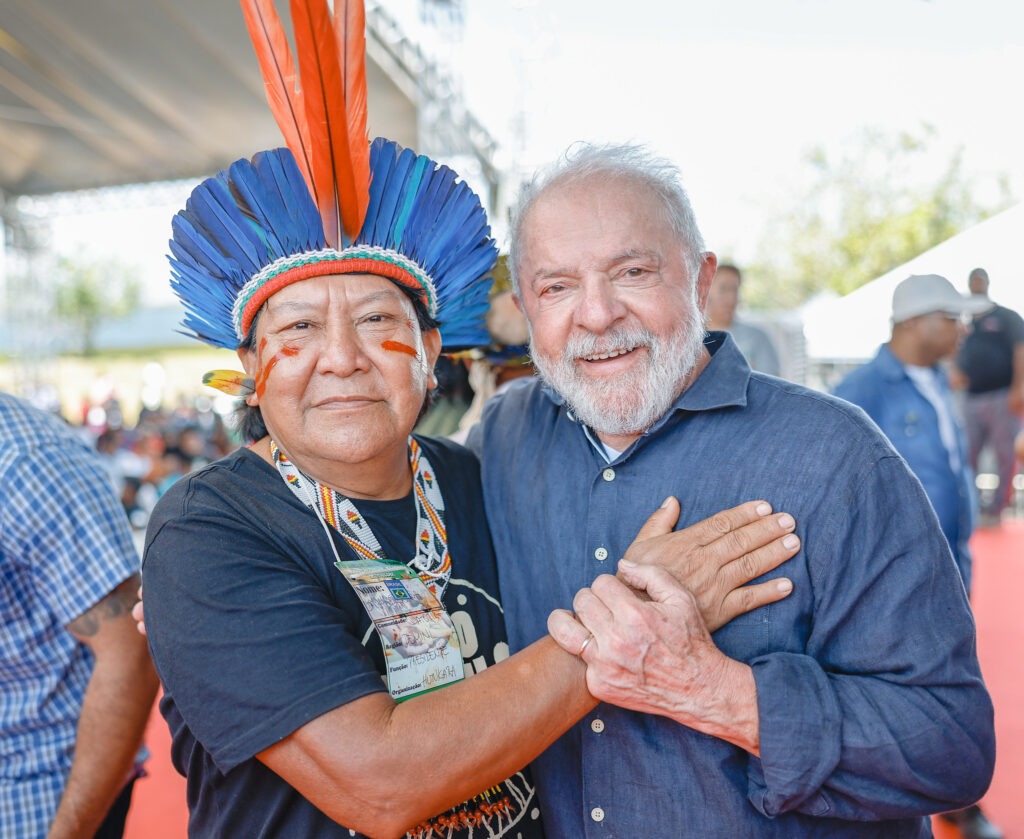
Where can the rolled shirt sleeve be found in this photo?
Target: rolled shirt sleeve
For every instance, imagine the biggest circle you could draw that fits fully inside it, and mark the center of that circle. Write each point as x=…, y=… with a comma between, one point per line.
x=881, y=716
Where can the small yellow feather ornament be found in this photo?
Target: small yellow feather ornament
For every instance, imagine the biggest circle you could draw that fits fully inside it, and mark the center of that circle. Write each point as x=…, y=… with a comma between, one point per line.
x=231, y=382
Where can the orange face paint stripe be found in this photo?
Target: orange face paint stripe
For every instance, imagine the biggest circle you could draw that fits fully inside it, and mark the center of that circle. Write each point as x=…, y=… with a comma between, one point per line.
x=263, y=375
x=398, y=346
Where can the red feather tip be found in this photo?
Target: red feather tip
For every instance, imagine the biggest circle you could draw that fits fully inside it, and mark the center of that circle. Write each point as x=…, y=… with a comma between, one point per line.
x=323, y=118
x=270, y=42
x=326, y=113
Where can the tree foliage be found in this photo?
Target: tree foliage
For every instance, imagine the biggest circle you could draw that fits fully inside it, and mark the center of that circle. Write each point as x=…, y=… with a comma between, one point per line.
x=865, y=211
x=89, y=292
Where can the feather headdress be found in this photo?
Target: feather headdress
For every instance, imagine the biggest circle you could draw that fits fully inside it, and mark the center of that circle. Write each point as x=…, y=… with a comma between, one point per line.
x=331, y=202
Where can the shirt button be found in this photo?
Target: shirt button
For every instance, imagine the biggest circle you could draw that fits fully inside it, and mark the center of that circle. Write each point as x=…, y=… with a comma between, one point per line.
x=601, y=554
x=608, y=474
x=597, y=726
x=597, y=814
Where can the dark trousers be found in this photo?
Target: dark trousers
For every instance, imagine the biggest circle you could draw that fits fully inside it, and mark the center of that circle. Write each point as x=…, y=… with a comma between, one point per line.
x=113, y=824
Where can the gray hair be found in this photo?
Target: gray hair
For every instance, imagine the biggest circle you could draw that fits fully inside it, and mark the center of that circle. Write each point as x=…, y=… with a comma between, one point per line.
x=583, y=161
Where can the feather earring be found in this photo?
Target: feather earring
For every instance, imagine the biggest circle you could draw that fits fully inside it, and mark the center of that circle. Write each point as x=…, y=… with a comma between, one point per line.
x=231, y=382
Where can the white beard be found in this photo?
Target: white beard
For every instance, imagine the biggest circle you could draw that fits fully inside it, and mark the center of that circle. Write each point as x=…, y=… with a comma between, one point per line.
x=632, y=402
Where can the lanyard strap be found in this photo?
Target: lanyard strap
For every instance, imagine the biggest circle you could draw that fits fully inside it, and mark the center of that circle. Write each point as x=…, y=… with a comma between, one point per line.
x=432, y=562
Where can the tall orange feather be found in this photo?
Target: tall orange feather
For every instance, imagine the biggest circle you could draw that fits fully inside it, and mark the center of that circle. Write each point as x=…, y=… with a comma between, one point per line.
x=323, y=93
x=278, y=69
x=350, y=29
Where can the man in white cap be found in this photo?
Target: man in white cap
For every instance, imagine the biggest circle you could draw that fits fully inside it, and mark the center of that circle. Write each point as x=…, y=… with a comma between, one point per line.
x=906, y=392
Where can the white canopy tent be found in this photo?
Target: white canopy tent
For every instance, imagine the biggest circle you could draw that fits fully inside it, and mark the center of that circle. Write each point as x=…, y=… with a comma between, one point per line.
x=851, y=328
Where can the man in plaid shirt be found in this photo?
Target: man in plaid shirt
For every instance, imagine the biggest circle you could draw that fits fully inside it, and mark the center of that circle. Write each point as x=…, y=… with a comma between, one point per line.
x=76, y=683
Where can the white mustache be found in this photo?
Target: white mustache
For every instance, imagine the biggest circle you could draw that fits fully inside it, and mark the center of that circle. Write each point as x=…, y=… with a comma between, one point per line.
x=613, y=343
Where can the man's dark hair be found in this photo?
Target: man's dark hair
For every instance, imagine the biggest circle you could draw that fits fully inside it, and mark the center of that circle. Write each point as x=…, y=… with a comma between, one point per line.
x=248, y=419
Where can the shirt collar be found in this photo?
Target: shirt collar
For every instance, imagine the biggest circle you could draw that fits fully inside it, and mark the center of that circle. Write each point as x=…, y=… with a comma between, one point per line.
x=721, y=384
x=891, y=368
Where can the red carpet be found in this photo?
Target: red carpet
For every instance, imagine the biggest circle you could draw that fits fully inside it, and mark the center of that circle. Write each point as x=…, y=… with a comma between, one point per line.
x=996, y=596
x=158, y=808
x=159, y=811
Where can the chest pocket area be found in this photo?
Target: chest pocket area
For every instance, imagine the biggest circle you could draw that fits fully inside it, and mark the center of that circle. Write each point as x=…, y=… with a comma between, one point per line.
x=749, y=634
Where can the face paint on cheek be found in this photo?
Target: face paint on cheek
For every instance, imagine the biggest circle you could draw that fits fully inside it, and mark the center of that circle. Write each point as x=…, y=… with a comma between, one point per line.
x=398, y=346
x=264, y=374
x=418, y=352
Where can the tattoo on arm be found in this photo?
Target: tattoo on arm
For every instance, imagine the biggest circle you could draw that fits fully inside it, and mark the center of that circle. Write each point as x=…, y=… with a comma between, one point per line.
x=119, y=602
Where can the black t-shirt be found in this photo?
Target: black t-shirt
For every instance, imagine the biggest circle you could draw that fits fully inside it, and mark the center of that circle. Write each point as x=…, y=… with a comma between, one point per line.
x=986, y=357
x=254, y=633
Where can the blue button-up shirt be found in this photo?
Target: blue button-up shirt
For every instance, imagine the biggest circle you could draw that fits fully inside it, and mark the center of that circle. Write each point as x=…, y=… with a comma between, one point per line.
x=872, y=708
x=886, y=392
x=64, y=545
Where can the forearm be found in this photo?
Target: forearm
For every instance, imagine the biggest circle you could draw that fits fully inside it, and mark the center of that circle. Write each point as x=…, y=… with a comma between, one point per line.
x=114, y=712
x=498, y=721
x=436, y=750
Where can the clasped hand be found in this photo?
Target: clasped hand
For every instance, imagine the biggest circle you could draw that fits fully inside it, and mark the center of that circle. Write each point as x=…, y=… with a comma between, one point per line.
x=649, y=628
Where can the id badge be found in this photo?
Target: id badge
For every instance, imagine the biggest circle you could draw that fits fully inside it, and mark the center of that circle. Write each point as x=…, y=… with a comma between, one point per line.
x=421, y=645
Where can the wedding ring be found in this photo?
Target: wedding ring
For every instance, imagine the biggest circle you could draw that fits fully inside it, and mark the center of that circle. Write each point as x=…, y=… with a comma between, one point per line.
x=585, y=644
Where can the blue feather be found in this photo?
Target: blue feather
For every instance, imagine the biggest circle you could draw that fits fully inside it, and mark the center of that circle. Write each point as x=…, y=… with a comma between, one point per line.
x=298, y=224
x=431, y=205
x=255, y=212
x=217, y=212
x=394, y=194
x=258, y=203
x=382, y=160
x=411, y=189
x=191, y=241
x=461, y=221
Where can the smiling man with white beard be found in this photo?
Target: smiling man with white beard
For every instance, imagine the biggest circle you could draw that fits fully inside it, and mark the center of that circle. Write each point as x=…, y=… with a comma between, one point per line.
x=853, y=708
x=636, y=399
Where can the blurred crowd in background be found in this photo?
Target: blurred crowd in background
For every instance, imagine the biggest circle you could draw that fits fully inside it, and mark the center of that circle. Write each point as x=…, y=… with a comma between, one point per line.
x=144, y=459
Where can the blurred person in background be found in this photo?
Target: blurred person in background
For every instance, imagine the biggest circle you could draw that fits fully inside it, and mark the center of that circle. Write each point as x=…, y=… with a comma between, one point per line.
x=754, y=342
x=905, y=390
x=77, y=682
x=506, y=359
x=990, y=368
